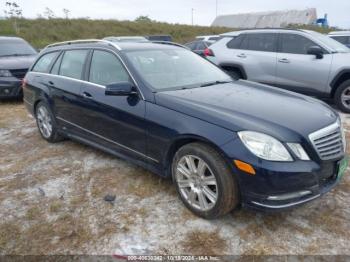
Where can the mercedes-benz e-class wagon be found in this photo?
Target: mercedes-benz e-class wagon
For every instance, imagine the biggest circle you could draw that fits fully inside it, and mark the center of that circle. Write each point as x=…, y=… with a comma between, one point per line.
x=224, y=143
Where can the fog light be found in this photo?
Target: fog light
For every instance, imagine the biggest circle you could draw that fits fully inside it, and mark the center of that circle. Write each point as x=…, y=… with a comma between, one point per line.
x=290, y=195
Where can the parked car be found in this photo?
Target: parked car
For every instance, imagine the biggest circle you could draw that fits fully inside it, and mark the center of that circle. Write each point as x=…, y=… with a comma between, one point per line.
x=199, y=47
x=208, y=38
x=341, y=36
x=166, y=38
x=223, y=142
x=16, y=56
x=131, y=39
x=299, y=60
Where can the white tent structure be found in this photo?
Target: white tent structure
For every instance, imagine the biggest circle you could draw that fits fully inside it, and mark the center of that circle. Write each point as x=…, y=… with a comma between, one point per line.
x=273, y=19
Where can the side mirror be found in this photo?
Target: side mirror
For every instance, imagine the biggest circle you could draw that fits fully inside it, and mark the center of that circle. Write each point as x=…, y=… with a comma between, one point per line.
x=315, y=50
x=120, y=89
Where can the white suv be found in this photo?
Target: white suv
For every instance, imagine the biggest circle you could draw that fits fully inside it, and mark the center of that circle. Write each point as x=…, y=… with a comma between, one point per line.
x=299, y=60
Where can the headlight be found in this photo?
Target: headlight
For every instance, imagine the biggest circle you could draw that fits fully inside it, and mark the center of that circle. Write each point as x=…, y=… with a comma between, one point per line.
x=5, y=73
x=299, y=151
x=264, y=146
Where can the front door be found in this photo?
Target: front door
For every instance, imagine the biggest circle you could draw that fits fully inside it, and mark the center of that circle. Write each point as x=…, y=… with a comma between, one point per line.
x=115, y=121
x=299, y=71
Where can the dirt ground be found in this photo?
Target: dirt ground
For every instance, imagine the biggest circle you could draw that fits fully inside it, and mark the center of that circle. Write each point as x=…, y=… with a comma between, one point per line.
x=52, y=202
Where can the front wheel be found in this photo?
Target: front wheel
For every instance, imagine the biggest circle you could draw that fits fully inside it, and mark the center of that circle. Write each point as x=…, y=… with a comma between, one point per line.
x=204, y=181
x=342, y=97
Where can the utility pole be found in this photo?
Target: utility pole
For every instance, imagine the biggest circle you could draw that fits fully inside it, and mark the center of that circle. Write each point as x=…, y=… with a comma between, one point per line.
x=216, y=8
x=192, y=10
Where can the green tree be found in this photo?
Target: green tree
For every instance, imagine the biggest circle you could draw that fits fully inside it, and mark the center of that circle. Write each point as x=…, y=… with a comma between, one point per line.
x=143, y=19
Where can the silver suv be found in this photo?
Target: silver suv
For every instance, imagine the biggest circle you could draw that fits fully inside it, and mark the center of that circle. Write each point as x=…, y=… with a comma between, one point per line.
x=298, y=60
x=342, y=37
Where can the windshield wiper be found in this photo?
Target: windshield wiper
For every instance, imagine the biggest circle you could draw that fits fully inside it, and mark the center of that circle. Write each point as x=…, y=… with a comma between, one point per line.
x=215, y=83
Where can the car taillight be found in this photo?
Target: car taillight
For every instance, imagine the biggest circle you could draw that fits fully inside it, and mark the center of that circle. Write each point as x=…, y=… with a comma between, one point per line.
x=208, y=52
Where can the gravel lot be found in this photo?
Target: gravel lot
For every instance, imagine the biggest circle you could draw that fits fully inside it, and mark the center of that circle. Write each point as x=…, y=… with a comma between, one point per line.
x=52, y=202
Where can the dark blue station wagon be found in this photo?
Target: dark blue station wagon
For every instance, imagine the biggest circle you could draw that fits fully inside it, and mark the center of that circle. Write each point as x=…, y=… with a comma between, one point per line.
x=224, y=143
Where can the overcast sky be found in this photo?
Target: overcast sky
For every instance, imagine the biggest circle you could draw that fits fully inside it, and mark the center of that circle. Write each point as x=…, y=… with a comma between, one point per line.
x=179, y=11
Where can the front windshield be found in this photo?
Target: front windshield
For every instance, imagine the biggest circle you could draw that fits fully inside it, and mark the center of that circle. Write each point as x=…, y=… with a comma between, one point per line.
x=333, y=44
x=174, y=68
x=15, y=47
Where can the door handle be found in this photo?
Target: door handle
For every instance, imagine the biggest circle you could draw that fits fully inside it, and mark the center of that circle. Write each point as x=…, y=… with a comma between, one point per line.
x=51, y=83
x=242, y=55
x=284, y=60
x=87, y=95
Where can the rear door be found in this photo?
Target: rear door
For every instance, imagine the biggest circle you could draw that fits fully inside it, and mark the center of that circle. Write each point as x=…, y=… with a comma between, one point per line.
x=256, y=52
x=299, y=71
x=65, y=82
x=115, y=121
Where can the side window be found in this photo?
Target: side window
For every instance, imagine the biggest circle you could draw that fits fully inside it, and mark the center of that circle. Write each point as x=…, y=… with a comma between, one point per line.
x=264, y=42
x=295, y=44
x=201, y=46
x=106, y=69
x=44, y=62
x=342, y=39
x=236, y=42
x=56, y=67
x=192, y=45
x=73, y=63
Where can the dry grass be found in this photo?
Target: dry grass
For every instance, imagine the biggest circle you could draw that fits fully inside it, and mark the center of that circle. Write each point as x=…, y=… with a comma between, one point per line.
x=199, y=242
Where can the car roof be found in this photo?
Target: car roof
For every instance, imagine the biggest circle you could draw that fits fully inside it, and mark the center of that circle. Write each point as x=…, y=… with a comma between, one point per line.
x=124, y=46
x=207, y=36
x=263, y=30
x=11, y=38
x=341, y=33
x=123, y=37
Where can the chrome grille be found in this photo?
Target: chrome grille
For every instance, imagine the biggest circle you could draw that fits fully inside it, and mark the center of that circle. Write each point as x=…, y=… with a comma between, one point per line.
x=328, y=142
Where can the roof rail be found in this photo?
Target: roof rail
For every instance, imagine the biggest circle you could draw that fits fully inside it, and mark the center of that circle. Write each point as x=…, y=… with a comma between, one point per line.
x=83, y=41
x=169, y=43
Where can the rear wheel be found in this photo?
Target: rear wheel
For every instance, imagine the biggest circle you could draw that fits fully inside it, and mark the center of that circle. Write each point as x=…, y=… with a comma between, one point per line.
x=342, y=97
x=46, y=123
x=204, y=181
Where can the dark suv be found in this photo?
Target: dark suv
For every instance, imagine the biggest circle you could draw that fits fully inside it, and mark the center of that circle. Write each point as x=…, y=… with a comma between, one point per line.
x=16, y=56
x=223, y=142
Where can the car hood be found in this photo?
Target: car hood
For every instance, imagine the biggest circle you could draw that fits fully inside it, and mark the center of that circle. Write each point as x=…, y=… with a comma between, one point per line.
x=244, y=105
x=16, y=62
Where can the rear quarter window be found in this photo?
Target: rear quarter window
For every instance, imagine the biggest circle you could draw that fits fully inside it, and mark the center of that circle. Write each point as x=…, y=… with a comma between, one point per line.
x=72, y=64
x=236, y=42
x=44, y=62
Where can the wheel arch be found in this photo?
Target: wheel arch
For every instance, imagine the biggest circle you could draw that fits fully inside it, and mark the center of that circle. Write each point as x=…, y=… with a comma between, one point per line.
x=235, y=67
x=342, y=76
x=183, y=140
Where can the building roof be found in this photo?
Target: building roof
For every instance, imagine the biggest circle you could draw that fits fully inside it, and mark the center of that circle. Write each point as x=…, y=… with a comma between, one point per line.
x=272, y=19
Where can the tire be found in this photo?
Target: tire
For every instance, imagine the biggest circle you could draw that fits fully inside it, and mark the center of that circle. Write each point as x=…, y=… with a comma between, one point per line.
x=46, y=123
x=233, y=74
x=194, y=188
x=343, y=89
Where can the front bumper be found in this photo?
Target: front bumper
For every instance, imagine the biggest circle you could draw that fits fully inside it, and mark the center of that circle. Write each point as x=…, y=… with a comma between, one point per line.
x=282, y=185
x=10, y=87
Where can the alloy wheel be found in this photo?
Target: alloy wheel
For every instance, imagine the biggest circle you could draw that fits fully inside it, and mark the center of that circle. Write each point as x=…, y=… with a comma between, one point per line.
x=196, y=182
x=345, y=97
x=44, y=121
